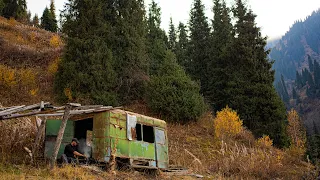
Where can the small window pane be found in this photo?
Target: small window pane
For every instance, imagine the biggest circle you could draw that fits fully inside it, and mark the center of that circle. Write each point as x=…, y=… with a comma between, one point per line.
x=148, y=134
x=138, y=131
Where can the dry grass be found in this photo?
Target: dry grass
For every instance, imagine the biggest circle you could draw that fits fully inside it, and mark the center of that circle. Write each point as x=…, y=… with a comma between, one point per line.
x=236, y=158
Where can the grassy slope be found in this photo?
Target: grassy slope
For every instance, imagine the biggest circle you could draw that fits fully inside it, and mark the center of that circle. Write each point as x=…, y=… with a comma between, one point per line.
x=194, y=146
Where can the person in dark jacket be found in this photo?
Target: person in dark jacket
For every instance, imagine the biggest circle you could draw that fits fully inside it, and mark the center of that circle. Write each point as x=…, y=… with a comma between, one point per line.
x=71, y=151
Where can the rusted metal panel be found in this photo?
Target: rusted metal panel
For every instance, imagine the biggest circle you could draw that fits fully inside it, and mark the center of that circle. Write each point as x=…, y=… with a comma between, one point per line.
x=161, y=148
x=101, y=138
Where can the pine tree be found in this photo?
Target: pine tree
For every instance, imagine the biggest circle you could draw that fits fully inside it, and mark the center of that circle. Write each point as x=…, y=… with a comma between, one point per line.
x=181, y=46
x=35, y=21
x=172, y=36
x=199, y=45
x=251, y=80
x=221, y=37
x=299, y=80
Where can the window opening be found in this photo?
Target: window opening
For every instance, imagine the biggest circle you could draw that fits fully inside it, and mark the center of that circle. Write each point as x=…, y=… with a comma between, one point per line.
x=148, y=134
x=139, y=133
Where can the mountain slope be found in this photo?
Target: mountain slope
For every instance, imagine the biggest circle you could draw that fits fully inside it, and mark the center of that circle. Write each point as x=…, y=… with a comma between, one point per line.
x=303, y=39
x=28, y=61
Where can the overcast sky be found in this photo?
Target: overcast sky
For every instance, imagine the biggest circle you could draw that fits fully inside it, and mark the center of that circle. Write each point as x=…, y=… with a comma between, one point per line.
x=274, y=16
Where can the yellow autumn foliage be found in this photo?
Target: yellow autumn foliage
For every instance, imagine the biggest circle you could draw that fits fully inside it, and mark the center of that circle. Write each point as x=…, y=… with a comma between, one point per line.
x=227, y=123
x=53, y=67
x=55, y=41
x=265, y=141
x=68, y=93
x=7, y=76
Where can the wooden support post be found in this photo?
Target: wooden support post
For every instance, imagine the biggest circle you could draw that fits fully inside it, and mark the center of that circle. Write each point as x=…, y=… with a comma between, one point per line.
x=41, y=130
x=60, y=135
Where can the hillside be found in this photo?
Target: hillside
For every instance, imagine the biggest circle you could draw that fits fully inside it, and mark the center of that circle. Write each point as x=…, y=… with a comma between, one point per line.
x=29, y=59
x=291, y=56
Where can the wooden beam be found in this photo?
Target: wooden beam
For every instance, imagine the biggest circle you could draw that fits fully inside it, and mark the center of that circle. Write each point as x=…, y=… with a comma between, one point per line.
x=41, y=130
x=60, y=136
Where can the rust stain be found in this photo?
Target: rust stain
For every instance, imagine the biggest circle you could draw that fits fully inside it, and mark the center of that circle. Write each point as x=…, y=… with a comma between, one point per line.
x=134, y=133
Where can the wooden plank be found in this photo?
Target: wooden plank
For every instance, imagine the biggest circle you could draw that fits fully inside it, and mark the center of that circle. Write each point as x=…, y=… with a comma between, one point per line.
x=22, y=108
x=41, y=130
x=60, y=135
x=10, y=109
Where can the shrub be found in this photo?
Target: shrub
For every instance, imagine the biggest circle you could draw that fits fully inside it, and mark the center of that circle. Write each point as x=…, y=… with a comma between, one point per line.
x=53, y=67
x=265, y=141
x=55, y=41
x=227, y=123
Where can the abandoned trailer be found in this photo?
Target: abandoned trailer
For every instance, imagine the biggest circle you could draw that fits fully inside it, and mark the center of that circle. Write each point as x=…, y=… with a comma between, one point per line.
x=104, y=133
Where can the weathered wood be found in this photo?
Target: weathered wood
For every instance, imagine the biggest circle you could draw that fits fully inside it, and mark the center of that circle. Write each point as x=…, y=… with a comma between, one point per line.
x=10, y=109
x=39, y=136
x=60, y=136
x=22, y=108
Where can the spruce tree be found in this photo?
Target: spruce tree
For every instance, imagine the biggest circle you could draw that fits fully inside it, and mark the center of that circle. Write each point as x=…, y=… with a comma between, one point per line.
x=172, y=36
x=294, y=93
x=181, y=46
x=15, y=9
x=199, y=45
x=35, y=21
x=310, y=63
x=1, y=6
x=48, y=19
x=317, y=74
x=87, y=67
x=45, y=19
x=251, y=79
x=170, y=93
x=222, y=35
x=129, y=47
x=53, y=20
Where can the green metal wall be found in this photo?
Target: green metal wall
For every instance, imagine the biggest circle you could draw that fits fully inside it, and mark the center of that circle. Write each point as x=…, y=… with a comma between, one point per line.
x=52, y=129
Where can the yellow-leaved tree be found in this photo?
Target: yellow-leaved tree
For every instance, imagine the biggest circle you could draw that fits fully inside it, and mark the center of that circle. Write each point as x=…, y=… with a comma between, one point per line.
x=227, y=123
x=296, y=133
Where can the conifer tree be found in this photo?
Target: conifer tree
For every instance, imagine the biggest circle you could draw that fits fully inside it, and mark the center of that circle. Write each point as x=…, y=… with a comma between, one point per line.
x=181, y=46
x=310, y=63
x=222, y=35
x=1, y=6
x=251, y=79
x=172, y=36
x=35, y=21
x=317, y=74
x=87, y=67
x=16, y=9
x=48, y=19
x=294, y=93
x=170, y=93
x=53, y=19
x=129, y=47
x=199, y=45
